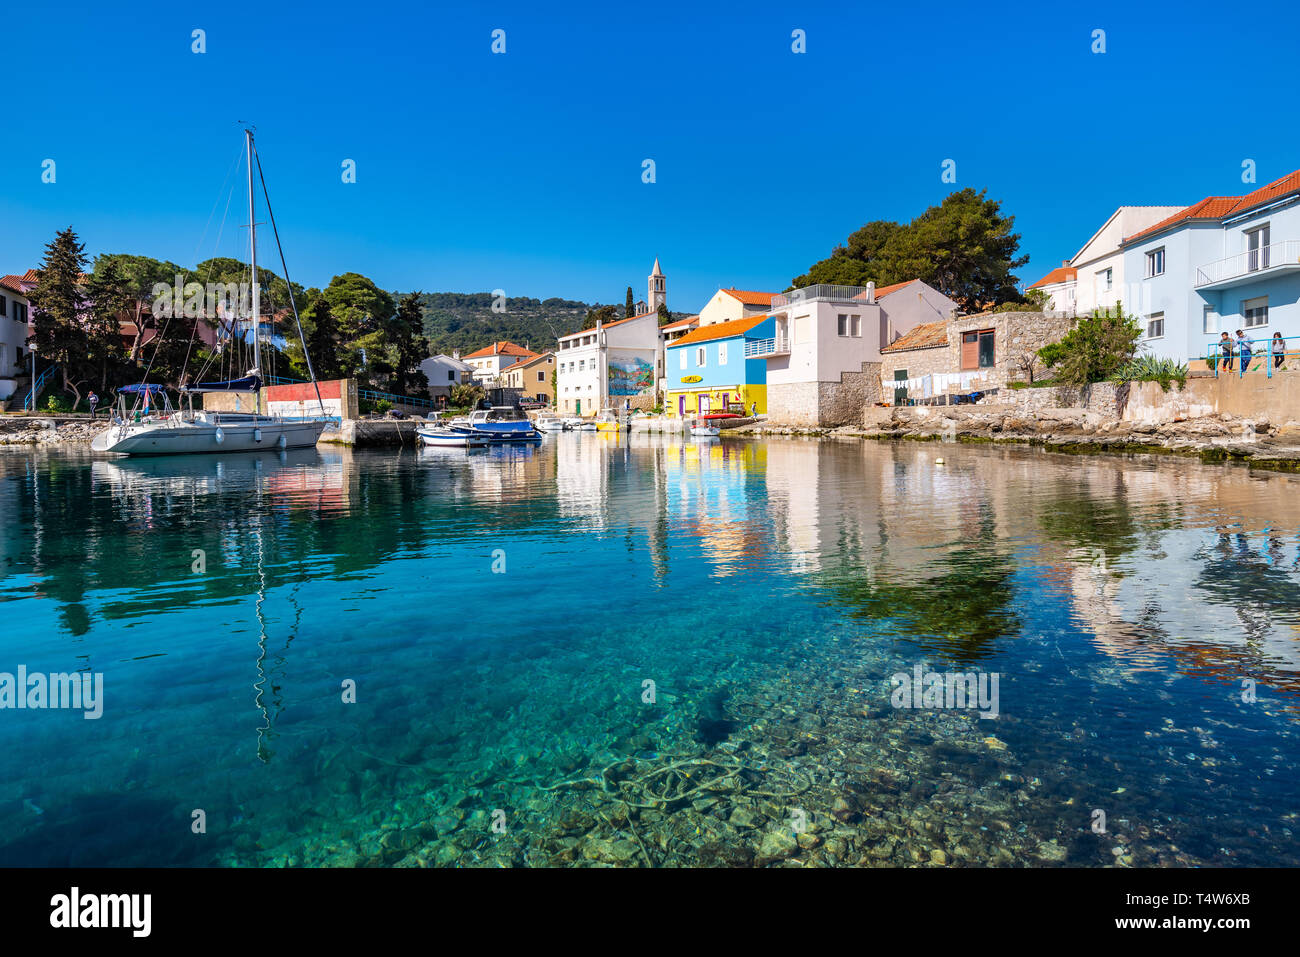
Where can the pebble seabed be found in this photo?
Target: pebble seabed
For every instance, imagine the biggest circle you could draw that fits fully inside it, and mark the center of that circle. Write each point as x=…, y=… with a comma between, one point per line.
x=814, y=767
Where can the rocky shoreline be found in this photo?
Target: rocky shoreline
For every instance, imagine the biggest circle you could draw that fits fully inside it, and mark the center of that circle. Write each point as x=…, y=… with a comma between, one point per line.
x=31, y=430
x=1213, y=439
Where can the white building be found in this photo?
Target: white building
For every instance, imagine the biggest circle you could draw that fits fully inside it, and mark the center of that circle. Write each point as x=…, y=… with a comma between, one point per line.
x=15, y=312
x=445, y=371
x=488, y=362
x=1094, y=278
x=817, y=372
x=607, y=366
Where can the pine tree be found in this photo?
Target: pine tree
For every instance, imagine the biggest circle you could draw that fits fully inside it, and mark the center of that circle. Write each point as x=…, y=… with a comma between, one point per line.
x=110, y=299
x=665, y=316
x=57, y=306
x=629, y=310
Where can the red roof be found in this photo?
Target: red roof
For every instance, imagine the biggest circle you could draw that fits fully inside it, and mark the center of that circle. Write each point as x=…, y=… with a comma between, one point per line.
x=927, y=335
x=1214, y=208
x=13, y=284
x=751, y=298
x=688, y=321
x=719, y=330
x=527, y=361
x=884, y=291
x=502, y=348
x=1059, y=274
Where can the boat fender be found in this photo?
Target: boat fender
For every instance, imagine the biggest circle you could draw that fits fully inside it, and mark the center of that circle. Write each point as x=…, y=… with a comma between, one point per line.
x=219, y=436
x=282, y=441
x=257, y=435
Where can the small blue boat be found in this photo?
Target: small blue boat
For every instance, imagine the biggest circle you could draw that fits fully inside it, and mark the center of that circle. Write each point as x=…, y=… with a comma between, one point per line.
x=499, y=424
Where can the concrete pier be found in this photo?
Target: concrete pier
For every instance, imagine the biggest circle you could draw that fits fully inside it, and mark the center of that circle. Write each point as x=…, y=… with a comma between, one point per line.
x=373, y=433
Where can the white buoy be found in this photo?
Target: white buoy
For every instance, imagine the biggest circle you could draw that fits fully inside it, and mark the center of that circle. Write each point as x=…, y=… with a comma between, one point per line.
x=219, y=436
x=939, y=460
x=282, y=441
x=257, y=435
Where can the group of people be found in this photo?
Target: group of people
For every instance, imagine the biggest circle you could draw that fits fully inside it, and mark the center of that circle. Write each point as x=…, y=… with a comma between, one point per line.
x=1243, y=347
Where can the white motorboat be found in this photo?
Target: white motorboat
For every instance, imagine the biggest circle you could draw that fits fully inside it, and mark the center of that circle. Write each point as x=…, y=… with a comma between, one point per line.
x=150, y=426
x=550, y=422
x=452, y=438
x=582, y=425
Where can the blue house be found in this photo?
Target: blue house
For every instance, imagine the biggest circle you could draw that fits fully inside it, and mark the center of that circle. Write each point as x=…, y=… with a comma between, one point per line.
x=713, y=369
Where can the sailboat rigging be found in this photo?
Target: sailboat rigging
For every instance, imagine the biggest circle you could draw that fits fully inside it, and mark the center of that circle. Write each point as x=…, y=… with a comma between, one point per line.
x=147, y=429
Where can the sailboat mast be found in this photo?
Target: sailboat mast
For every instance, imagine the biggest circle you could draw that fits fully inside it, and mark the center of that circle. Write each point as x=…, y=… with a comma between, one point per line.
x=252, y=243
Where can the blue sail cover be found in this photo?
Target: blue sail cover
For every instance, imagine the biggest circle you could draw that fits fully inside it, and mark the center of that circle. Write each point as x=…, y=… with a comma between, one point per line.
x=249, y=383
x=150, y=387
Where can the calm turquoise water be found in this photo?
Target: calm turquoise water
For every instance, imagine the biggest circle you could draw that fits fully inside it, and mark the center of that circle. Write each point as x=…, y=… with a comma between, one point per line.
x=768, y=589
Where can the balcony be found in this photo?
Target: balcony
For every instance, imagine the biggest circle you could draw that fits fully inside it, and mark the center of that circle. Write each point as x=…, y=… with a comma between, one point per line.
x=820, y=291
x=1249, y=265
x=762, y=348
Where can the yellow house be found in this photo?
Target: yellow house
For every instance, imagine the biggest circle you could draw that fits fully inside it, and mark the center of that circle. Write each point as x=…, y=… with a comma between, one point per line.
x=532, y=376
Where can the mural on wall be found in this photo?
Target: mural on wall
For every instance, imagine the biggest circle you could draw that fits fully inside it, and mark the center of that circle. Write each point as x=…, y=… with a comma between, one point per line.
x=631, y=376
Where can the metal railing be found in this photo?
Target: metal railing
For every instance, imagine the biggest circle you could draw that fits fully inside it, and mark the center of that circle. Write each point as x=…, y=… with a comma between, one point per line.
x=1248, y=261
x=818, y=291
x=34, y=393
x=1263, y=351
x=766, y=347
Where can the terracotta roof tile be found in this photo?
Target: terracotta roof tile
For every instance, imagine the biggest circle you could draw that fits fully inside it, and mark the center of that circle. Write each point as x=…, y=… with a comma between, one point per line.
x=928, y=335
x=719, y=330
x=750, y=298
x=610, y=325
x=502, y=348
x=1220, y=207
x=688, y=321
x=1059, y=274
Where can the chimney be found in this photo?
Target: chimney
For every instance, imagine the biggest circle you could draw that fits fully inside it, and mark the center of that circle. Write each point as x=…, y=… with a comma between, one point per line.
x=871, y=292
x=455, y=354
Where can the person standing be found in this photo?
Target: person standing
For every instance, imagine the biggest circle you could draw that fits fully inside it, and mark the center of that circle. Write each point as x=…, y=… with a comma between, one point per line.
x=1245, y=347
x=1225, y=351
x=1279, y=350
x=94, y=401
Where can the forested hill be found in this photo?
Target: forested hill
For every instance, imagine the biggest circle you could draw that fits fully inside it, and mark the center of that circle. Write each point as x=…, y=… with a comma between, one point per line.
x=465, y=321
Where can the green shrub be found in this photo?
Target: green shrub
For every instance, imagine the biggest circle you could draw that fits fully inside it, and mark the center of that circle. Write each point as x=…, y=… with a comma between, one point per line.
x=55, y=402
x=1152, y=369
x=1094, y=349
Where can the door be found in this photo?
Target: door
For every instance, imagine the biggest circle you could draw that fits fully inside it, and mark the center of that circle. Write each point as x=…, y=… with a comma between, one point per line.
x=704, y=404
x=900, y=394
x=577, y=407
x=681, y=406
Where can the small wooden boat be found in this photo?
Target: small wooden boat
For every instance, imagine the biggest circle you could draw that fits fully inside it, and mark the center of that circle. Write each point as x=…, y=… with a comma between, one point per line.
x=449, y=438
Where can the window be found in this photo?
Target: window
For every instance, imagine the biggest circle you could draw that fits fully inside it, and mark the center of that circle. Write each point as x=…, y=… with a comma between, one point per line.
x=1156, y=325
x=1255, y=311
x=451, y=375
x=1156, y=262
x=855, y=326
x=541, y=375
x=722, y=353
x=1209, y=321
x=1257, y=248
x=1105, y=279
x=844, y=325
x=681, y=354
x=582, y=365
x=3, y=304
x=701, y=355
x=977, y=351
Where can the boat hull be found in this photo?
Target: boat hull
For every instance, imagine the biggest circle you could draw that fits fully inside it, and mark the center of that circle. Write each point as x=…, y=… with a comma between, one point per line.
x=451, y=440
x=192, y=438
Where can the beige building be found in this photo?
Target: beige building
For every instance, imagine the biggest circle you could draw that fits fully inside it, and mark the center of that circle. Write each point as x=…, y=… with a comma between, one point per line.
x=532, y=377
x=727, y=305
x=488, y=362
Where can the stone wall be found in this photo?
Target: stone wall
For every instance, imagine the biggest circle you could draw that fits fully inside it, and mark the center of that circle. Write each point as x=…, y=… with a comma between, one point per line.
x=1015, y=334
x=824, y=404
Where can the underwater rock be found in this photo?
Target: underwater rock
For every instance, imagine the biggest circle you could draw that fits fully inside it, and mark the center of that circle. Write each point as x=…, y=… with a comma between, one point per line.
x=776, y=846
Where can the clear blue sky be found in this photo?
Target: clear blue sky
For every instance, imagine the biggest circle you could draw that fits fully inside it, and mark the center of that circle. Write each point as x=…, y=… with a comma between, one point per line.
x=523, y=171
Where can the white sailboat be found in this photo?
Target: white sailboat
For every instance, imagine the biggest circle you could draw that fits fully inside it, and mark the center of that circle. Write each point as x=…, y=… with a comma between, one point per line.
x=145, y=429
